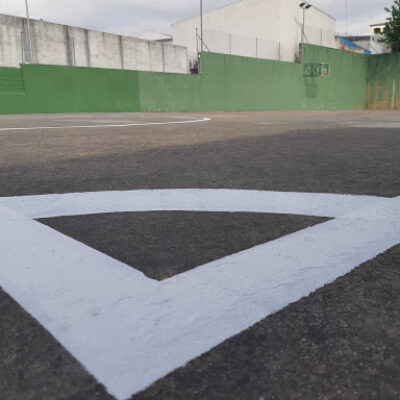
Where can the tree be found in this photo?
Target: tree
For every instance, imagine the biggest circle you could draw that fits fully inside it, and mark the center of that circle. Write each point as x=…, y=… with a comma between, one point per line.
x=392, y=28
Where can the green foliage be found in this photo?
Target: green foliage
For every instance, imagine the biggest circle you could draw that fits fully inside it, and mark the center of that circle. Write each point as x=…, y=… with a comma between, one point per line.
x=392, y=28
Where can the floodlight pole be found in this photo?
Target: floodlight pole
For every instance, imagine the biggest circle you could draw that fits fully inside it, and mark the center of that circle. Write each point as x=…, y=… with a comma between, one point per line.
x=29, y=31
x=201, y=25
x=304, y=6
x=302, y=28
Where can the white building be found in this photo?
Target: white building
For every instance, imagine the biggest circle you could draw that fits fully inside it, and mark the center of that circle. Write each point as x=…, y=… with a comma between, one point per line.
x=257, y=28
x=377, y=29
x=372, y=42
x=377, y=46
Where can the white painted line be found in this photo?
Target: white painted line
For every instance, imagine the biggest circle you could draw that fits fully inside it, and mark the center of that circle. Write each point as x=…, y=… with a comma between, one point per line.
x=46, y=116
x=106, y=126
x=129, y=330
x=380, y=125
x=180, y=117
x=100, y=121
x=217, y=200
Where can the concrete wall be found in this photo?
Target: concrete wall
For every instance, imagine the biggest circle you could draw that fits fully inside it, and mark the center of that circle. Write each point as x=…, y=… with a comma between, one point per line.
x=230, y=83
x=383, y=82
x=277, y=22
x=227, y=83
x=55, y=44
x=51, y=89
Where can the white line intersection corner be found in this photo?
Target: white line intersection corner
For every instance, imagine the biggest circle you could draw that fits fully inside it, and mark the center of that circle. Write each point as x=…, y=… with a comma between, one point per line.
x=129, y=330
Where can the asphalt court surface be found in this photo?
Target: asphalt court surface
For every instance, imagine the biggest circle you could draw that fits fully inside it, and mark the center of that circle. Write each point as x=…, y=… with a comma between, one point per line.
x=340, y=342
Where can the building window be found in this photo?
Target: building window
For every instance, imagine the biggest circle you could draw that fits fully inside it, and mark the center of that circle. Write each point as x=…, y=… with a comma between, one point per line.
x=377, y=30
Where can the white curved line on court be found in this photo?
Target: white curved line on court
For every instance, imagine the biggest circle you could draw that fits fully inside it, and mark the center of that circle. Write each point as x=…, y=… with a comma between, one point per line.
x=207, y=200
x=129, y=330
x=106, y=126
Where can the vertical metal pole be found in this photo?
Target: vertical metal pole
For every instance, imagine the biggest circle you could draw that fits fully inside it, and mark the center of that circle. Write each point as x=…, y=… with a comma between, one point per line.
x=197, y=49
x=347, y=17
x=29, y=31
x=302, y=35
x=201, y=24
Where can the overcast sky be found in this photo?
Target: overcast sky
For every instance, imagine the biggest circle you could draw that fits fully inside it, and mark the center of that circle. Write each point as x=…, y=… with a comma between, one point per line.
x=134, y=16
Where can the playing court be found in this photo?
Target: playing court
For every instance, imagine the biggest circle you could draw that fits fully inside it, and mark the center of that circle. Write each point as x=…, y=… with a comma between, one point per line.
x=200, y=256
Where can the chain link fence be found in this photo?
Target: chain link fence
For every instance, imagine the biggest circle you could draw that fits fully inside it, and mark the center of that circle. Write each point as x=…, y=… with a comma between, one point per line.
x=319, y=36
x=240, y=45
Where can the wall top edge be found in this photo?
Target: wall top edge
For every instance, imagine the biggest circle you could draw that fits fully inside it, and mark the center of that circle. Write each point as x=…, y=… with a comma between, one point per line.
x=39, y=21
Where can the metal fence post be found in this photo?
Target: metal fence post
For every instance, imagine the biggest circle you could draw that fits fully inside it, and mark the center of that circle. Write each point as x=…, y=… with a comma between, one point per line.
x=197, y=39
x=29, y=32
x=201, y=24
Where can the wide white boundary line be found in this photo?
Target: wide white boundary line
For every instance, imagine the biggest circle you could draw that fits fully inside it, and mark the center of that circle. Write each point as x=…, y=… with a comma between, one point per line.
x=217, y=200
x=106, y=126
x=129, y=330
x=378, y=125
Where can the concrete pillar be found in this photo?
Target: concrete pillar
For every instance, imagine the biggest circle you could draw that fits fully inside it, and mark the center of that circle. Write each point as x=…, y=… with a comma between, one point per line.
x=69, y=47
x=163, y=56
x=121, y=52
x=87, y=48
x=29, y=53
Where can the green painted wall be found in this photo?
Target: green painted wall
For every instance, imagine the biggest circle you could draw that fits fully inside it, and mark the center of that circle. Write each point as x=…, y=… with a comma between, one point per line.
x=383, y=81
x=240, y=83
x=231, y=83
x=169, y=92
x=12, y=91
x=52, y=89
x=345, y=87
x=11, y=80
x=227, y=83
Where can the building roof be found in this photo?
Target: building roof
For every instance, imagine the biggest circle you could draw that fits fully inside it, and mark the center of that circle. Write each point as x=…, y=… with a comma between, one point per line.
x=382, y=23
x=358, y=37
x=154, y=36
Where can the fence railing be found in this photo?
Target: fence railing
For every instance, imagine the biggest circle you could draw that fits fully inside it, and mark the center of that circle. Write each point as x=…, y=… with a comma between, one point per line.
x=234, y=44
x=240, y=45
x=319, y=36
